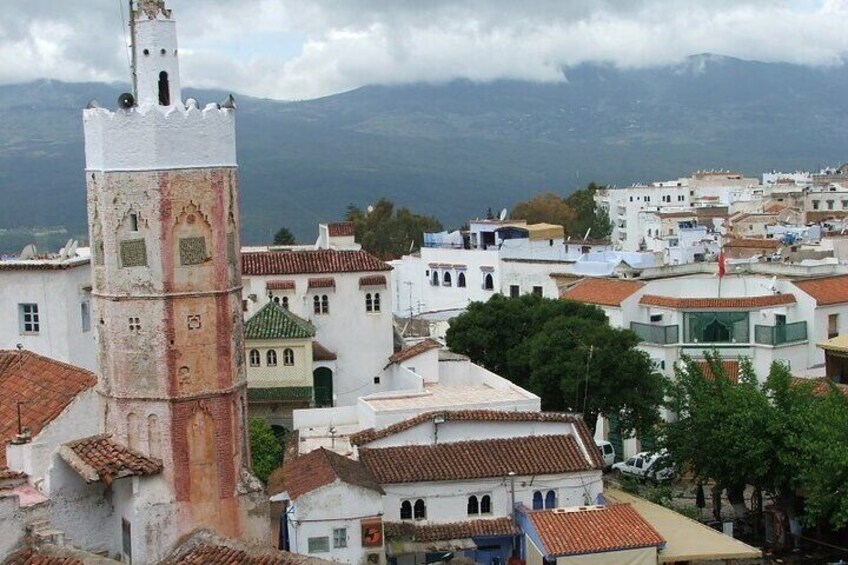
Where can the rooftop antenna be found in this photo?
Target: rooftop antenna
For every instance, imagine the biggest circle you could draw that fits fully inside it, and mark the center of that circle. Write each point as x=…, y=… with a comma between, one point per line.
x=503, y=215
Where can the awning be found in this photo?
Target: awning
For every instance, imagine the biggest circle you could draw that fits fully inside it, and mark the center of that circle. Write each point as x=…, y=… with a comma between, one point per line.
x=686, y=539
x=400, y=547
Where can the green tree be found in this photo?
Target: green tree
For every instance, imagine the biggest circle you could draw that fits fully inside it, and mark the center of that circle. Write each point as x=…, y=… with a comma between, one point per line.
x=284, y=237
x=565, y=352
x=387, y=232
x=587, y=214
x=546, y=207
x=265, y=449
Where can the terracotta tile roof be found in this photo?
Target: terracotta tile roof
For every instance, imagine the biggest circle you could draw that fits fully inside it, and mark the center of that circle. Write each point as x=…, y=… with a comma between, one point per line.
x=826, y=290
x=775, y=207
x=414, y=351
x=409, y=531
x=369, y=435
x=610, y=528
x=98, y=458
x=606, y=292
x=31, y=556
x=321, y=353
x=341, y=229
x=272, y=321
x=488, y=458
x=820, y=386
x=325, y=282
x=45, y=386
x=731, y=369
x=373, y=280
x=308, y=262
x=753, y=243
x=717, y=303
x=280, y=284
x=209, y=554
x=322, y=467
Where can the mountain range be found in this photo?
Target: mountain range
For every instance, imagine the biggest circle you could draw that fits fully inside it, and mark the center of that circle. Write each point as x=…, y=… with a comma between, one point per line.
x=451, y=149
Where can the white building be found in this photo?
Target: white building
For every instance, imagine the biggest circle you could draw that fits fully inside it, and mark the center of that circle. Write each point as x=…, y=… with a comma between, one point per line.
x=444, y=480
x=345, y=293
x=47, y=307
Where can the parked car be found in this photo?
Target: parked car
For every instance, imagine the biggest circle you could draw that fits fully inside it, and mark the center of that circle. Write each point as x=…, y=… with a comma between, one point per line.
x=607, y=453
x=647, y=466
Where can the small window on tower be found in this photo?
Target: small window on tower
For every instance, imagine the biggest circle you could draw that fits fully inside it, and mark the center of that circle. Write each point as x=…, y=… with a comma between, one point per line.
x=133, y=222
x=164, y=90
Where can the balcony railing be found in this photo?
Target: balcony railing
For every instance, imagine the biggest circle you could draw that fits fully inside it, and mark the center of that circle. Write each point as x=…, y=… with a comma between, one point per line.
x=656, y=334
x=778, y=335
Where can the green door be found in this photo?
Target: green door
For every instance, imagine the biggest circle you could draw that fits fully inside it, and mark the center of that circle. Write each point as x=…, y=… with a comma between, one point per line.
x=323, y=382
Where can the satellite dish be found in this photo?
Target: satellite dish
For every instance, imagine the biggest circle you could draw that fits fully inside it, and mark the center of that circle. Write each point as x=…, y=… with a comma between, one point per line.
x=126, y=101
x=503, y=214
x=29, y=252
x=585, y=237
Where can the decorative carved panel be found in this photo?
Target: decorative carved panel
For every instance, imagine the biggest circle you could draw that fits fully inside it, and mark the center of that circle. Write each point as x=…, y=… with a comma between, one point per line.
x=194, y=322
x=133, y=253
x=192, y=250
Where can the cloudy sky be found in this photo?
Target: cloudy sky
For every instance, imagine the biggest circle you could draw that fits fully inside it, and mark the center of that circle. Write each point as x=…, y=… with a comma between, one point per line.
x=296, y=49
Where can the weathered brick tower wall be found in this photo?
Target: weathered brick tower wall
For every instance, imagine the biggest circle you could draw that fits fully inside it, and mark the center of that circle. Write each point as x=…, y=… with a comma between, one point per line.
x=163, y=219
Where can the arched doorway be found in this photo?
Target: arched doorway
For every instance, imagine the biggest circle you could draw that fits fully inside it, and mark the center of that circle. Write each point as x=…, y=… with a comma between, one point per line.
x=323, y=383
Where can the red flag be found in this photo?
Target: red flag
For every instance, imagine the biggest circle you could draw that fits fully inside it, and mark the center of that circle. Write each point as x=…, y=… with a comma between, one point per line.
x=721, y=269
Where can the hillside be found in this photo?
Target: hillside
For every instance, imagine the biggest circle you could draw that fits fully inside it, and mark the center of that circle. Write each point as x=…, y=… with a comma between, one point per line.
x=454, y=149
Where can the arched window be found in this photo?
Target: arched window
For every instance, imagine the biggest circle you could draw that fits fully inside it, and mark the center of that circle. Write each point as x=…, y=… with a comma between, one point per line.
x=316, y=304
x=550, y=499
x=286, y=302
x=460, y=280
x=325, y=304
x=254, y=357
x=420, y=510
x=488, y=282
x=406, y=510
x=376, y=301
x=288, y=356
x=485, y=504
x=164, y=90
x=473, y=505
x=537, y=500
x=435, y=278
x=447, y=279
x=369, y=303
x=271, y=357
x=276, y=300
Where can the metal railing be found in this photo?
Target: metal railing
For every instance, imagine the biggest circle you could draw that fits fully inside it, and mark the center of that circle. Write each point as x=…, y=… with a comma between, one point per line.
x=780, y=334
x=656, y=334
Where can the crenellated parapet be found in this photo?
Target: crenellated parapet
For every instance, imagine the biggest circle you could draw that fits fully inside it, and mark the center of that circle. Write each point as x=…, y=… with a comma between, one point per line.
x=152, y=137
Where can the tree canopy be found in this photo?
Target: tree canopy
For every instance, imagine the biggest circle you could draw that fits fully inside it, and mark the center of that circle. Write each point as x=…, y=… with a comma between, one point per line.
x=388, y=232
x=284, y=237
x=577, y=213
x=566, y=353
x=265, y=449
x=782, y=436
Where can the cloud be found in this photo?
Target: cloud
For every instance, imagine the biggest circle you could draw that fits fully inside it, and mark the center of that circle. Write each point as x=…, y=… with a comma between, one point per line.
x=293, y=49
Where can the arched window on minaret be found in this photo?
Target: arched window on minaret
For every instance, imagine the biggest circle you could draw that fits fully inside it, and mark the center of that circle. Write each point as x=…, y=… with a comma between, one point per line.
x=164, y=90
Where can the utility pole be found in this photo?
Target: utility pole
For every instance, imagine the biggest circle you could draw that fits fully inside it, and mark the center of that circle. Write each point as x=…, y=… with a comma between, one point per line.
x=511, y=476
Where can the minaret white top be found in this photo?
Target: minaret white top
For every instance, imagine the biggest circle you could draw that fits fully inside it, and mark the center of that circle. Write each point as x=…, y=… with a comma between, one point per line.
x=156, y=56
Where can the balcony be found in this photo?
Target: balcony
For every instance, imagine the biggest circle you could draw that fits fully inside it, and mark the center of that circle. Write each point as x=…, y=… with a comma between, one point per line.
x=780, y=335
x=651, y=333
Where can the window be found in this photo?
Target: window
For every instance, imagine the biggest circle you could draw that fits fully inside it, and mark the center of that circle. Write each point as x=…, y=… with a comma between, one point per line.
x=656, y=318
x=830, y=204
x=271, y=358
x=434, y=279
x=133, y=222
x=164, y=90
x=288, y=357
x=488, y=282
x=447, y=279
x=254, y=357
x=832, y=325
x=473, y=506
x=276, y=299
x=85, y=316
x=537, y=500
x=514, y=291
x=372, y=302
x=135, y=324
x=285, y=302
x=406, y=510
x=815, y=204
x=321, y=304
x=420, y=510
x=550, y=499
x=339, y=537
x=29, y=320
x=716, y=327
x=485, y=504
x=537, y=291
x=319, y=545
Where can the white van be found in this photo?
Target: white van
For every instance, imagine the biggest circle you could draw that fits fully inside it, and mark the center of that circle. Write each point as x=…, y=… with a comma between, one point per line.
x=607, y=452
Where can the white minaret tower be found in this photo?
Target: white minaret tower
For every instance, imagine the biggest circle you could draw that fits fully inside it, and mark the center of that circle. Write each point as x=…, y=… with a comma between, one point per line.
x=163, y=218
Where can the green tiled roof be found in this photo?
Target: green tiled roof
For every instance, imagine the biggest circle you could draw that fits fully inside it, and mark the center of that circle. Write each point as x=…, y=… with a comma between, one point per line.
x=282, y=393
x=275, y=322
